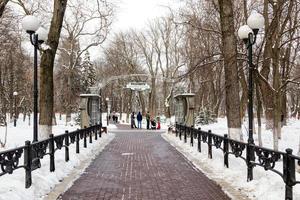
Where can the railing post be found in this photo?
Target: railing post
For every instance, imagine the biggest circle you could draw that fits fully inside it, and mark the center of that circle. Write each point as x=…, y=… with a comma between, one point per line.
x=77, y=142
x=84, y=137
x=51, y=153
x=225, y=150
x=67, y=143
x=27, y=164
x=209, y=143
x=249, y=158
x=199, y=139
x=289, y=173
x=192, y=135
x=185, y=134
x=90, y=131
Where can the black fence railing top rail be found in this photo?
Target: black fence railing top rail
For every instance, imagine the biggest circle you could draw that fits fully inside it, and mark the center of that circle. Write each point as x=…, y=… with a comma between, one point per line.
x=9, y=160
x=33, y=152
x=12, y=149
x=229, y=139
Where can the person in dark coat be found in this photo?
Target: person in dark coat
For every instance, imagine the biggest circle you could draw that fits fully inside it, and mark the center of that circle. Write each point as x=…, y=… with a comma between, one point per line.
x=139, y=118
x=148, y=120
x=132, y=120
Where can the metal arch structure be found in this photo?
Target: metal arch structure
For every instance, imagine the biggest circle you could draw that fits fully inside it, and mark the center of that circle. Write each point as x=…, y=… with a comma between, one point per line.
x=96, y=90
x=114, y=78
x=102, y=84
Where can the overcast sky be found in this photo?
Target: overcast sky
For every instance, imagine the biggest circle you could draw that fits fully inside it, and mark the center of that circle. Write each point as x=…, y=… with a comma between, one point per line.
x=136, y=13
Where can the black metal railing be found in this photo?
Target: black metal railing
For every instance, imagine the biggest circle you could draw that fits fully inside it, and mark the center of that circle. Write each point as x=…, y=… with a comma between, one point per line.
x=34, y=152
x=263, y=157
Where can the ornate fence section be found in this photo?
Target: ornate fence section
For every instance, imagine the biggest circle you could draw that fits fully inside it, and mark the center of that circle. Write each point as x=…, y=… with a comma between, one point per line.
x=33, y=152
x=252, y=155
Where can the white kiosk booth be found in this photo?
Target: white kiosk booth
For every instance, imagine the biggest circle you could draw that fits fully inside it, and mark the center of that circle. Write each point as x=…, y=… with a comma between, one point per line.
x=184, y=108
x=90, y=113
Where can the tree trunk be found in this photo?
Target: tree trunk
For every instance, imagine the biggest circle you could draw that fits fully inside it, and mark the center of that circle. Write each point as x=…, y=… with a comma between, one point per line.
x=68, y=98
x=284, y=111
x=298, y=166
x=46, y=72
x=29, y=118
x=276, y=99
x=165, y=95
x=277, y=94
x=152, y=97
x=11, y=86
x=54, y=122
x=24, y=114
x=2, y=6
x=142, y=100
x=266, y=92
x=231, y=71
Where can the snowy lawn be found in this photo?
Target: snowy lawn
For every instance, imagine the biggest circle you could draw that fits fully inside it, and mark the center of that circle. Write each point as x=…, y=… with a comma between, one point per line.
x=290, y=134
x=266, y=184
x=16, y=136
x=43, y=181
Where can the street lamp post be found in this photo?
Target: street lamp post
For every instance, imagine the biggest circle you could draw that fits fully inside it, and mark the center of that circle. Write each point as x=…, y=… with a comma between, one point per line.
x=15, y=94
x=37, y=36
x=108, y=109
x=100, y=106
x=248, y=33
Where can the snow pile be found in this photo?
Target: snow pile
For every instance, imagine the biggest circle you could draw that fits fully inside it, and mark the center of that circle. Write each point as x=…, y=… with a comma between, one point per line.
x=43, y=181
x=266, y=184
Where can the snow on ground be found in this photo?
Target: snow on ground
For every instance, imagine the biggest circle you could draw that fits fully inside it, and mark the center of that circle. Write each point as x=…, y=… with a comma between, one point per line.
x=290, y=134
x=16, y=136
x=266, y=184
x=43, y=181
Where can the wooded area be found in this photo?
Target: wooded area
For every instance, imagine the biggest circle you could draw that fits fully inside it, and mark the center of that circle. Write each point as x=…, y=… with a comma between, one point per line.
x=192, y=49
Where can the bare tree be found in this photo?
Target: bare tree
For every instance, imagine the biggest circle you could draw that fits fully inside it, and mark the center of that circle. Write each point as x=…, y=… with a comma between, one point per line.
x=2, y=6
x=86, y=25
x=167, y=44
x=14, y=71
x=46, y=66
x=122, y=57
x=145, y=43
x=230, y=63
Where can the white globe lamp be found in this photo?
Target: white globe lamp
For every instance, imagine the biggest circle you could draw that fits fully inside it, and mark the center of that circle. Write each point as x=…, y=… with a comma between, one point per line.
x=244, y=32
x=256, y=21
x=30, y=24
x=42, y=34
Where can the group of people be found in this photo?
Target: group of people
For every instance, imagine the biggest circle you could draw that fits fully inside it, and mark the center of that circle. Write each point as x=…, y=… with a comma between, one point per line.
x=151, y=122
x=114, y=117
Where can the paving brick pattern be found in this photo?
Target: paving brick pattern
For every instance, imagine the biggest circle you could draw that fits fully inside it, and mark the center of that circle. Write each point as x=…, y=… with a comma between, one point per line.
x=142, y=166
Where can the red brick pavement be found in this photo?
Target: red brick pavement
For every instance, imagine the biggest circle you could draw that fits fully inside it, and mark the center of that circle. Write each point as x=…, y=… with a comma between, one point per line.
x=142, y=166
